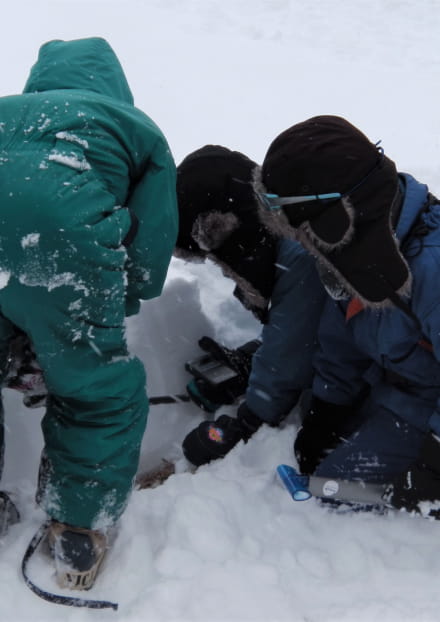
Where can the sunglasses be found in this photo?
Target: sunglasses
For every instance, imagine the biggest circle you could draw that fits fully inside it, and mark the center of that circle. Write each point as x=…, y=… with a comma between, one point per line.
x=273, y=201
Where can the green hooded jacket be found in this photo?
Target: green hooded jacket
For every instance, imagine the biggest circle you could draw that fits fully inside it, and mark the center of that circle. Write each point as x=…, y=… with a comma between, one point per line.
x=80, y=169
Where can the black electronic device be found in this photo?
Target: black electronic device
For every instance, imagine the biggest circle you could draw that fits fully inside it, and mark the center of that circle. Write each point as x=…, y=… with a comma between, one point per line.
x=210, y=370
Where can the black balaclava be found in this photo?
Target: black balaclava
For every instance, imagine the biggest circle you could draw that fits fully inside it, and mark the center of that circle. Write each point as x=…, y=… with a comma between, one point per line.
x=218, y=219
x=353, y=236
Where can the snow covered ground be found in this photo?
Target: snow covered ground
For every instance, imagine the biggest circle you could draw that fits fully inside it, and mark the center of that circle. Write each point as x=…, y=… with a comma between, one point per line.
x=228, y=544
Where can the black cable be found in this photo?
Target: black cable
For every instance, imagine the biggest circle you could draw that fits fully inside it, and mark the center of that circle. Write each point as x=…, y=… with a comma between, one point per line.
x=169, y=399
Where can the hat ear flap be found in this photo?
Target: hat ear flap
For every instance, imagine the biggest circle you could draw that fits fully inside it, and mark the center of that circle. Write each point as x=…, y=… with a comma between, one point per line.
x=211, y=229
x=333, y=228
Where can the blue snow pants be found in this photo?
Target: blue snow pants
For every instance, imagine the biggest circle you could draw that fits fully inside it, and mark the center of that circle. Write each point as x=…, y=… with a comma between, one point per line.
x=381, y=446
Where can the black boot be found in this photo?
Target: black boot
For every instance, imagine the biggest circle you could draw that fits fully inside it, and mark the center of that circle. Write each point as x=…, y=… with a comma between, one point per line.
x=78, y=553
x=418, y=489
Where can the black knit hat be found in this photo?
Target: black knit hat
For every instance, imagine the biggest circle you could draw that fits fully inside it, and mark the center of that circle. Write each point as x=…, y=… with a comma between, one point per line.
x=352, y=235
x=218, y=218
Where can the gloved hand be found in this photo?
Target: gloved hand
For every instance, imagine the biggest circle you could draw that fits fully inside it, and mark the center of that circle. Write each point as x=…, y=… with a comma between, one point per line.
x=214, y=439
x=210, y=396
x=24, y=373
x=418, y=489
x=321, y=431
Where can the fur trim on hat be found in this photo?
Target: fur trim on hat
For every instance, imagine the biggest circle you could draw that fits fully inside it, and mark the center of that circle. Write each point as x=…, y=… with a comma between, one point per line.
x=403, y=291
x=327, y=246
x=274, y=220
x=252, y=297
x=211, y=229
x=307, y=243
x=184, y=255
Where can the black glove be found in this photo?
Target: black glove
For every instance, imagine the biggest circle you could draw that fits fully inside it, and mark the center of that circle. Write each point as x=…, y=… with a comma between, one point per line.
x=322, y=430
x=214, y=439
x=210, y=396
x=421, y=483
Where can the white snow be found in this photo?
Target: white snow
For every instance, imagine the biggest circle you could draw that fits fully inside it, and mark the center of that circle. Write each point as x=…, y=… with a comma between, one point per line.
x=35, y=276
x=228, y=544
x=4, y=278
x=72, y=138
x=29, y=240
x=71, y=160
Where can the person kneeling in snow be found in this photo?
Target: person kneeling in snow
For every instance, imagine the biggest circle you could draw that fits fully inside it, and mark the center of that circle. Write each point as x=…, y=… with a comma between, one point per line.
x=275, y=279
x=375, y=233
x=89, y=222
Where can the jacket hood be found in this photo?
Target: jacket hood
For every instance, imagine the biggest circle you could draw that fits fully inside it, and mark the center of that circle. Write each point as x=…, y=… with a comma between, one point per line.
x=88, y=64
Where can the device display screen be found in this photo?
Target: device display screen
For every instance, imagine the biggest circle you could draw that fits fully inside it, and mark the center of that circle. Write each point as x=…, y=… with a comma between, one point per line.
x=209, y=369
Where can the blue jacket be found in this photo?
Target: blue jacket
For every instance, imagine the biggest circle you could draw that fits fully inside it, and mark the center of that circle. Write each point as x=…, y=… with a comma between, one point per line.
x=282, y=366
x=387, y=350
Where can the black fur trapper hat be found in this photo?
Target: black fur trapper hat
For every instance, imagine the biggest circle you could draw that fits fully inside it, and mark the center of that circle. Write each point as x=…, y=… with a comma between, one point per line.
x=212, y=180
x=219, y=220
x=351, y=235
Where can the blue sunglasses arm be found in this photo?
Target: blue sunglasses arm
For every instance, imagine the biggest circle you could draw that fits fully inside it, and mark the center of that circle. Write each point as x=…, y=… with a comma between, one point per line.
x=273, y=201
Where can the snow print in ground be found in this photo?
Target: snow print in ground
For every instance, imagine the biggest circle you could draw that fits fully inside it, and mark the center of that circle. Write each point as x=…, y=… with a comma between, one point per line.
x=227, y=543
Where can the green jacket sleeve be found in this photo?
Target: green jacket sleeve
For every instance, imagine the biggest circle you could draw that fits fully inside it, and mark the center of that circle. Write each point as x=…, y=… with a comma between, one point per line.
x=153, y=201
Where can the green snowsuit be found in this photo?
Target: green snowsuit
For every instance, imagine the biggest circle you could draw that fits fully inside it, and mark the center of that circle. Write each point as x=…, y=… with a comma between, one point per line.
x=74, y=155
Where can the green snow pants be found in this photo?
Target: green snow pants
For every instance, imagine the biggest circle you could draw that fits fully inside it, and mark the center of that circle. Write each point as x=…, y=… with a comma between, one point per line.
x=62, y=282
